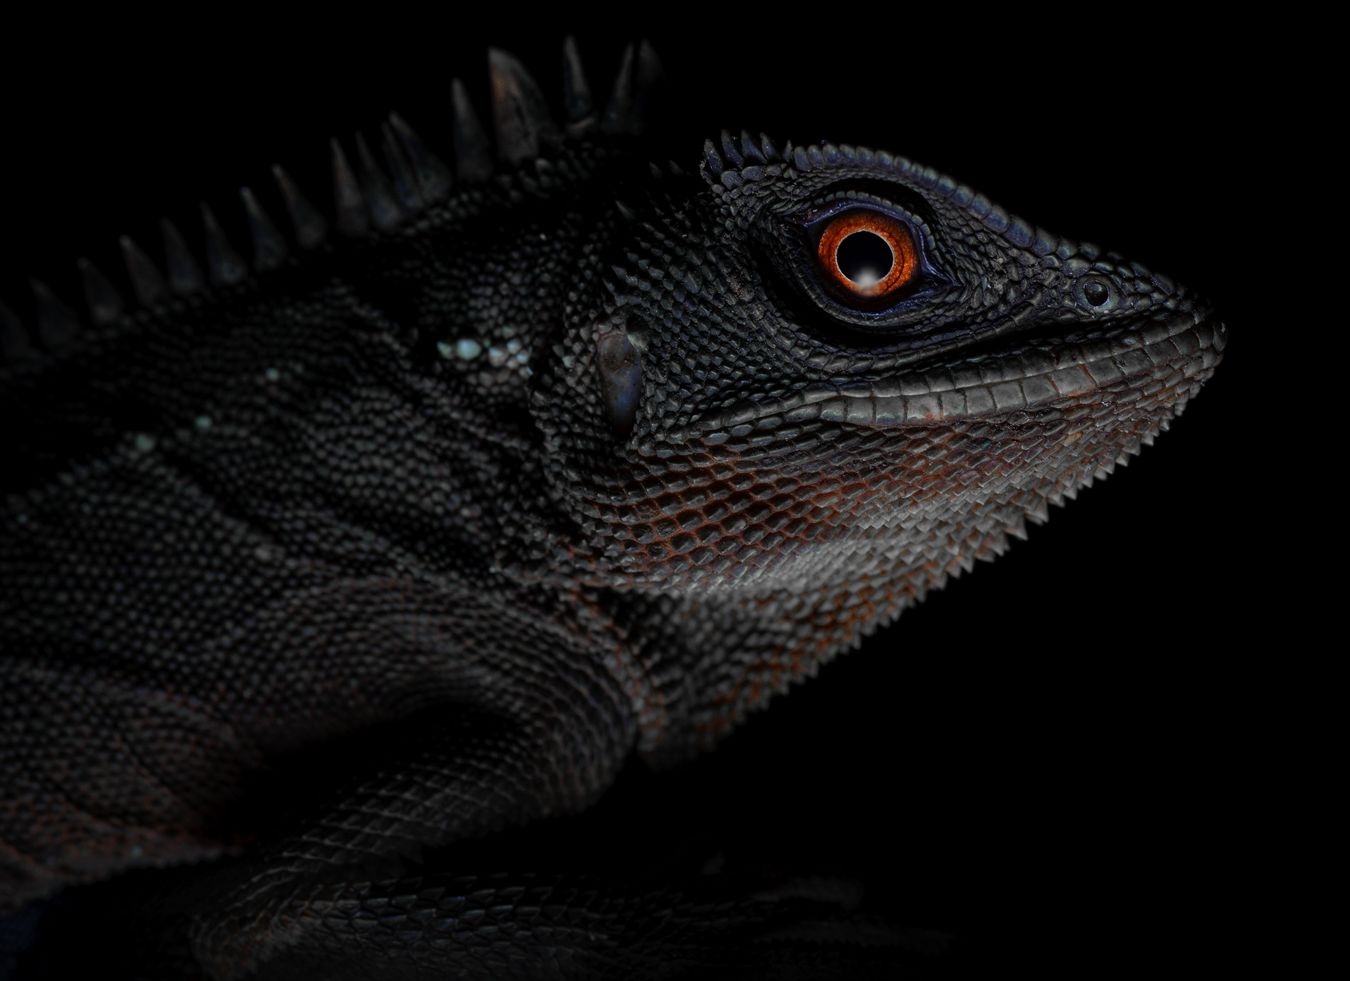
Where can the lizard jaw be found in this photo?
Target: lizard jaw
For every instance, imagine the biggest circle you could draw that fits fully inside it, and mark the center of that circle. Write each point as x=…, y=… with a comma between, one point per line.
x=1028, y=376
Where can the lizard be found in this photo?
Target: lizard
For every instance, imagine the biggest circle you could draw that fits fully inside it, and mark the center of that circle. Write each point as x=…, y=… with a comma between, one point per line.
x=534, y=460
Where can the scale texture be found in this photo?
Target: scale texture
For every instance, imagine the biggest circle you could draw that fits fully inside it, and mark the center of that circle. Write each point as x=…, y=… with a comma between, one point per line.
x=524, y=456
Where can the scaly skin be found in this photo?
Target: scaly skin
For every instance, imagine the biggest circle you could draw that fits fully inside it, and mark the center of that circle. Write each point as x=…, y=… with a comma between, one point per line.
x=565, y=462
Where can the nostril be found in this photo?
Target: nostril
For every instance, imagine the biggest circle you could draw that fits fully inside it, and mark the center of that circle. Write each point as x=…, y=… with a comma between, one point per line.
x=1097, y=293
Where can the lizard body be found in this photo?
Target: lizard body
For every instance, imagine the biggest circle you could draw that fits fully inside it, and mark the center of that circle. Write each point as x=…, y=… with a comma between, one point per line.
x=527, y=462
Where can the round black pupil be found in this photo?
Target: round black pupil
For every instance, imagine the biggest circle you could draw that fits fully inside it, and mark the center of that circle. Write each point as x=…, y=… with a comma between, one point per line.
x=1096, y=293
x=864, y=257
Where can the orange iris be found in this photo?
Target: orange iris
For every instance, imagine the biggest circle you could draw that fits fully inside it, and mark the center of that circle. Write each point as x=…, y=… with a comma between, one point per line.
x=852, y=254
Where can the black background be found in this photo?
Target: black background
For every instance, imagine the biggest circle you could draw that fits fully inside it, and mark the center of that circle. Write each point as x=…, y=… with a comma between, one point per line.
x=1056, y=759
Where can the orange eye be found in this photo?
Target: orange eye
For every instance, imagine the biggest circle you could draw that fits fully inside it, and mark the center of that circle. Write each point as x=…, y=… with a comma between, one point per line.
x=867, y=254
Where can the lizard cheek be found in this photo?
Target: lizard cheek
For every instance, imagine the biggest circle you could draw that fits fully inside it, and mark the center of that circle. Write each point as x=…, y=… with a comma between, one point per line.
x=619, y=364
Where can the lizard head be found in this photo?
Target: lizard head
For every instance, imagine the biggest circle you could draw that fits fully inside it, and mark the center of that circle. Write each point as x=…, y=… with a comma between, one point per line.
x=826, y=364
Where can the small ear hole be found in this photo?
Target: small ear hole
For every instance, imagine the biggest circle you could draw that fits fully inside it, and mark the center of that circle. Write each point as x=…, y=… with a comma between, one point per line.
x=619, y=365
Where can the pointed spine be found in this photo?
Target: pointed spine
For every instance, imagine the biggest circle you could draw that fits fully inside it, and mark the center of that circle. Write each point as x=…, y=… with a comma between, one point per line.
x=224, y=266
x=750, y=149
x=634, y=92
x=56, y=324
x=310, y=227
x=712, y=160
x=433, y=176
x=620, y=113
x=269, y=248
x=407, y=189
x=185, y=276
x=649, y=77
x=14, y=342
x=576, y=93
x=519, y=112
x=473, y=153
x=352, y=217
x=147, y=282
x=104, y=302
x=1038, y=510
x=384, y=210
x=731, y=152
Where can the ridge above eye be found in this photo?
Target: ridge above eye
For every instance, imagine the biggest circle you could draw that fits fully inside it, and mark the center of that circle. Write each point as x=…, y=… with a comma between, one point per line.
x=865, y=255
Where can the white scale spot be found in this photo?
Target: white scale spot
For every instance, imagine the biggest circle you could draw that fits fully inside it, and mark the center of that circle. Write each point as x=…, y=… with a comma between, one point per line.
x=202, y=423
x=466, y=349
